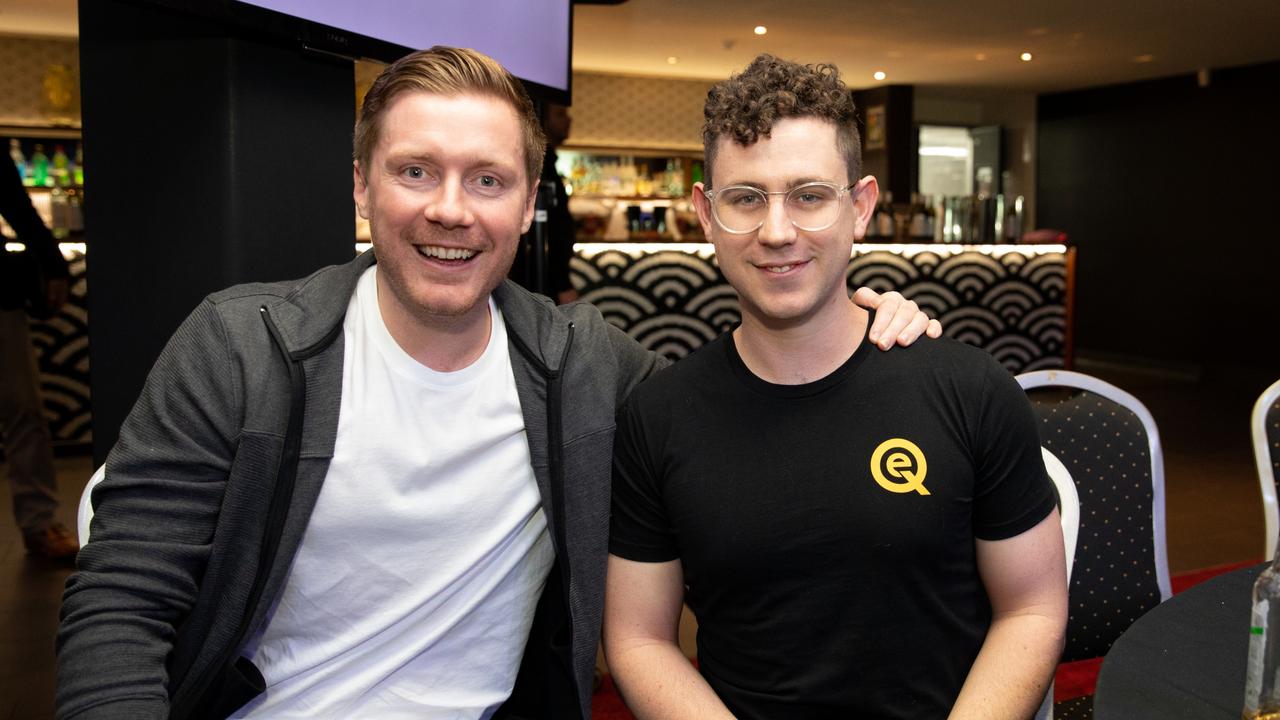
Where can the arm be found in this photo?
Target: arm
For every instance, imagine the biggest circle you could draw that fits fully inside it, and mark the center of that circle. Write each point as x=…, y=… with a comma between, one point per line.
x=897, y=318
x=17, y=210
x=1026, y=580
x=153, y=524
x=641, y=643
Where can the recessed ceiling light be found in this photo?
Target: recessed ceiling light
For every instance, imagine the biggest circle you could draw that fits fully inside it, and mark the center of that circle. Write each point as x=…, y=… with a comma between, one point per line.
x=1145, y=58
x=672, y=60
x=760, y=30
x=980, y=57
x=879, y=75
x=1026, y=57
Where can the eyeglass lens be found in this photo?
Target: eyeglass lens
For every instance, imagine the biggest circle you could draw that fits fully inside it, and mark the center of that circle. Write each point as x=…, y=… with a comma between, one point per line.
x=813, y=206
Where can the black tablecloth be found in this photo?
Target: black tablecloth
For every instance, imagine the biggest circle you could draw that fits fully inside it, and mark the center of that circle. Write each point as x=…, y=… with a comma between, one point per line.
x=1185, y=658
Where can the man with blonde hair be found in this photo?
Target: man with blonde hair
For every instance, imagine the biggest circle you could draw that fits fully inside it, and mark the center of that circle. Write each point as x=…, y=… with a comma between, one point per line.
x=381, y=491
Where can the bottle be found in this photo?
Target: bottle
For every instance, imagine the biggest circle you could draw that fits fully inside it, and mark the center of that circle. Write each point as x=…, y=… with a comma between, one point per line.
x=78, y=172
x=61, y=166
x=39, y=166
x=19, y=160
x=1262, y=679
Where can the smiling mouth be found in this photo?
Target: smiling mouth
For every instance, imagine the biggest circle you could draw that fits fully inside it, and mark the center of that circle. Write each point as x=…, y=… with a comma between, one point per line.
x=447, y=254
x=779, y=269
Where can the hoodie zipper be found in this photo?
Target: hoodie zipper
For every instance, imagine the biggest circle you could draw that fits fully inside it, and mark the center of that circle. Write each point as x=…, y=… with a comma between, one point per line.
x=281, y=497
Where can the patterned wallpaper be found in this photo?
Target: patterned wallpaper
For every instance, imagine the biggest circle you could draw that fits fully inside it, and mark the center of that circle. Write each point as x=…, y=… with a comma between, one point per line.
x=637, y=112
x=40, y=84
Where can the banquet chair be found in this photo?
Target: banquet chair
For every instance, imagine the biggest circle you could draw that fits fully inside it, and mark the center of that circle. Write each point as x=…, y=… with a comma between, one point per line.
x=1265, y=423
x=85, y=514
x=1108, y=441
x=1069, y=514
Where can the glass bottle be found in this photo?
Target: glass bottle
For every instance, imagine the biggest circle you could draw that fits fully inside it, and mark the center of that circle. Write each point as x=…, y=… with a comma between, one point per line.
x=61, y=166
x=39, y=166
x=1262, y=680
x=19, y=160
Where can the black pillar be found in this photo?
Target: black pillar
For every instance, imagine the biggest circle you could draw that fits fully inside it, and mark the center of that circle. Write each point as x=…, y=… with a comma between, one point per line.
x=214, y=157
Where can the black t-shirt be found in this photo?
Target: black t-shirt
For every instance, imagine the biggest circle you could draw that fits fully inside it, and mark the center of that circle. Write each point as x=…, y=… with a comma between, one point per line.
x=820, y=590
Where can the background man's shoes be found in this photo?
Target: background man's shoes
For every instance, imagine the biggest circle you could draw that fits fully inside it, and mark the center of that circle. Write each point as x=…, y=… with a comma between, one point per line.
x=53, y=543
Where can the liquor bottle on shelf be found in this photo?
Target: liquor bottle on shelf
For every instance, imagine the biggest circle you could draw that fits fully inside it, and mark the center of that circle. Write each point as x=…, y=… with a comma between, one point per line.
x=19, y=160
x=61, y=166
x=78, y=172
x=39, y=166
x=1262, y=678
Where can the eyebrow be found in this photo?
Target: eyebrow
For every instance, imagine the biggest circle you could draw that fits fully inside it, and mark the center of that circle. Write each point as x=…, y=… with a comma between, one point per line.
x=791, y=183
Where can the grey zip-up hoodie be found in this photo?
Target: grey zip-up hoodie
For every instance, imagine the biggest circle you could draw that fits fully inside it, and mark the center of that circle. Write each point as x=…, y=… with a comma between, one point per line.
x=240, y=412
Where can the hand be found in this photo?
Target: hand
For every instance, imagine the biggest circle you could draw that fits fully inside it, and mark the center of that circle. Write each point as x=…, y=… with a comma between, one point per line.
x=57, y=290
x=897, y=318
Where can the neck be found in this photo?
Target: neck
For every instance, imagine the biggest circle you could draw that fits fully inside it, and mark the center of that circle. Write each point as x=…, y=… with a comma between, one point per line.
x=798, y=353
x=444, y=343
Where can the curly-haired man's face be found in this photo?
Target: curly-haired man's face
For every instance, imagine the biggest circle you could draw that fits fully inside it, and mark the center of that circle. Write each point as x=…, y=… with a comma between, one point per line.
x=786, y=276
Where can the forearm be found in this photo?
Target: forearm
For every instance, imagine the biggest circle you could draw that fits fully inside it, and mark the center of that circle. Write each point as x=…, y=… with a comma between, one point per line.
x=659, y=683
x=1013, y=669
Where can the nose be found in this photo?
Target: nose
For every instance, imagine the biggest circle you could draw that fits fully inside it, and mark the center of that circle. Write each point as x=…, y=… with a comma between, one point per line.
x=447, y=206
x=777, y=228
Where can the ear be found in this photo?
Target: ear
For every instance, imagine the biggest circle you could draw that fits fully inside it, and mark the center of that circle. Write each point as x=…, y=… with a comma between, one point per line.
x=703, y=206
x=360, y=190
x=866, y=193
x=530, y=203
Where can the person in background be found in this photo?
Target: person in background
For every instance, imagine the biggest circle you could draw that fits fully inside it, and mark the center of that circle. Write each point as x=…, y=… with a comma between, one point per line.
x=382, y=490
x=860, y=534
x=28, y=444
x=556, y=122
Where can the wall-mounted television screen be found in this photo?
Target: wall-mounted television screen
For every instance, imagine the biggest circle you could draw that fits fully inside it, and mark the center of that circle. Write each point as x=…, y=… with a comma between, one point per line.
x=531, y=38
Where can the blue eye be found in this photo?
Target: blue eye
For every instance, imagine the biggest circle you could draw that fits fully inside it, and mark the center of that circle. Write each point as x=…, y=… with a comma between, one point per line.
x=415, y=172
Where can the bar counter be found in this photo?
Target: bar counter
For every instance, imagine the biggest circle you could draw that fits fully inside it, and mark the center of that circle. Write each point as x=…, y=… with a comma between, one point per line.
x=1014, y=301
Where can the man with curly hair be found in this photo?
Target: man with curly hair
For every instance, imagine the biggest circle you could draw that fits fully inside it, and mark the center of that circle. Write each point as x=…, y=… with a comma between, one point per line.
x=859, y=534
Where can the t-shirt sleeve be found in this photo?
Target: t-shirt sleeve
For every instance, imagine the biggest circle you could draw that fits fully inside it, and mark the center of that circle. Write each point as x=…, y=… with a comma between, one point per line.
x=639, y=528
x=1013, y=492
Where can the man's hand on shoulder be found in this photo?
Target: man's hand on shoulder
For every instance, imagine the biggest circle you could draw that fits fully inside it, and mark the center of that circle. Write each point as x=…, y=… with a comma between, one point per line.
x=897, y=318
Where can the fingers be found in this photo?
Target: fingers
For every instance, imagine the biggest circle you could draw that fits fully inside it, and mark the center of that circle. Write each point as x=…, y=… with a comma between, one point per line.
x=898, y=320
x=868, y=298
x=56, y=294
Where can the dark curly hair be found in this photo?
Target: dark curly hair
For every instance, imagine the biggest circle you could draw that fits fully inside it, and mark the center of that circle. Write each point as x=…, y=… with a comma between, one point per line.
x=745, y=107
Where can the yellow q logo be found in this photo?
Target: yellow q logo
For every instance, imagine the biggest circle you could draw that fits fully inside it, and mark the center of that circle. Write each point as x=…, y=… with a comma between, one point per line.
x=902, y=455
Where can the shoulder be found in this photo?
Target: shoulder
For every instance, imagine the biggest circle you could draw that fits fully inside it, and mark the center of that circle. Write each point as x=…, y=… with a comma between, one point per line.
x=687, y=377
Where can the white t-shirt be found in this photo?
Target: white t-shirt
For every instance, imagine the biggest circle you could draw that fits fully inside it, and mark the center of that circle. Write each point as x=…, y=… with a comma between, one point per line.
x=414, y=588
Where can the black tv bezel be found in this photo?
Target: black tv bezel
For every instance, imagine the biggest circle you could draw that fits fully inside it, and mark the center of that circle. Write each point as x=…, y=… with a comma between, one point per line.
x=311, y=36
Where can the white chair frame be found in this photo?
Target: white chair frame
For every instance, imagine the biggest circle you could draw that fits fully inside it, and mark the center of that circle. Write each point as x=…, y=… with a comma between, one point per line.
x=1088, y=383
x=85, y=513
x=1266, y=474
x=1069, y=510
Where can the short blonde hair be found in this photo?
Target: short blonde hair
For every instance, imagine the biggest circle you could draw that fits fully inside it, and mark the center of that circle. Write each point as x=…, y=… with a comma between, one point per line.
x=449, y=71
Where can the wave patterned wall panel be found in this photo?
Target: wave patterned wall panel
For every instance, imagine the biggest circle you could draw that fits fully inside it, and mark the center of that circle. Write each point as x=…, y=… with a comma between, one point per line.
x=1009, y=300
x=62, y=348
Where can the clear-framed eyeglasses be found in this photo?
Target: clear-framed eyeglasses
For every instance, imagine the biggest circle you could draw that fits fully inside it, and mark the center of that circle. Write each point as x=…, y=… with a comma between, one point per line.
x=741, y=209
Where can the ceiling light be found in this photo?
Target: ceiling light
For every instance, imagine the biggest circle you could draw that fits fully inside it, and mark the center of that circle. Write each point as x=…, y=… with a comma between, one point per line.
x=879, y=75
x=1026, y=57
x=1146, y=58
x=672, y=60
x=760, y=30
x=980, y=57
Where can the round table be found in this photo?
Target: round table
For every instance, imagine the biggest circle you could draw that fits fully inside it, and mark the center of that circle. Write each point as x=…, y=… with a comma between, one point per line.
x=1185, y=658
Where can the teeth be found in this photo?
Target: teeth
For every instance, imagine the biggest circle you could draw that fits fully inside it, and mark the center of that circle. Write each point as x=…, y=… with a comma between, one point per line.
x=779, y=268
x=445, y=253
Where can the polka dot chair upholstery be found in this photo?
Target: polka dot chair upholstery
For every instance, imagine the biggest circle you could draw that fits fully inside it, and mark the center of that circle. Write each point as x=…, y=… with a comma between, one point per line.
x=1108, y=442
x=1266, y=450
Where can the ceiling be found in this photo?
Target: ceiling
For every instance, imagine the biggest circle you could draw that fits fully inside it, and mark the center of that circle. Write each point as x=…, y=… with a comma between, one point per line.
x=972, y=44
